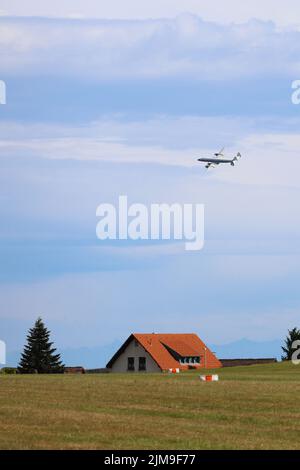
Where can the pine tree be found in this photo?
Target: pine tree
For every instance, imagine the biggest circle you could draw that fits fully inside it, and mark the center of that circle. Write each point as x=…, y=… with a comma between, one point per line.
x=288, y=348
x=39, y=355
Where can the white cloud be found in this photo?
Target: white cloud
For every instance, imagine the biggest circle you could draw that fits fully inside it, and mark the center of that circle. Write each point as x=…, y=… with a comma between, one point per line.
x=268, y=158
x=282, y=13
x=184, y=47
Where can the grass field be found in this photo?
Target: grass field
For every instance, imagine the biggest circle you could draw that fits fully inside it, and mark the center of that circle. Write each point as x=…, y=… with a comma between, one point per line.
x=255, y=407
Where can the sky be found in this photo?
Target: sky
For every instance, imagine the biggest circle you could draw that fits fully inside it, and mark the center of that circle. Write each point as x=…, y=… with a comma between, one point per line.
x=106, y=100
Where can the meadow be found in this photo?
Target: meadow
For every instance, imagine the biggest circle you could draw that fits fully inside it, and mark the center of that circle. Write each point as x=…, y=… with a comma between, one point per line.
x=254, y=407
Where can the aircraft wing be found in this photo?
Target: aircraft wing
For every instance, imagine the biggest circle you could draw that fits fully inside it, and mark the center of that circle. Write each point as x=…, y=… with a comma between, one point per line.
x=220, y=153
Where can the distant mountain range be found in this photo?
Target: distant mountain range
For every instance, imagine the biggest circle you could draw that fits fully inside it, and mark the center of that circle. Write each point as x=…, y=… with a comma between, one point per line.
x=95, y=357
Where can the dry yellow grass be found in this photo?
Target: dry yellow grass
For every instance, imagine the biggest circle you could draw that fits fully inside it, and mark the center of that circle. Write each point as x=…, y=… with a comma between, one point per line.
x=250, y=408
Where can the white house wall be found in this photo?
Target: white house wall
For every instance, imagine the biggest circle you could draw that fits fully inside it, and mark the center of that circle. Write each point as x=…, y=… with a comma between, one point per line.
x=120, y=365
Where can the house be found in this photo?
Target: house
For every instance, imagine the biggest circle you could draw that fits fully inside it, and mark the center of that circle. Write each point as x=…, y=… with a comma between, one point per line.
x=162, y=352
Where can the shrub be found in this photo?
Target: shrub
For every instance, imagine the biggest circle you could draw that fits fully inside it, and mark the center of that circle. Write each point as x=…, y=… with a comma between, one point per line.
x=8, y=370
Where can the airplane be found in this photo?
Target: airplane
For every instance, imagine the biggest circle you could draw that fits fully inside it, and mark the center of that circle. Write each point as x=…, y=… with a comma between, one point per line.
x=212, y=162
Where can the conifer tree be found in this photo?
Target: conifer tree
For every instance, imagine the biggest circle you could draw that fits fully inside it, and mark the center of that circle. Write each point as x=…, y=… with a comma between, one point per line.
x=39, y=355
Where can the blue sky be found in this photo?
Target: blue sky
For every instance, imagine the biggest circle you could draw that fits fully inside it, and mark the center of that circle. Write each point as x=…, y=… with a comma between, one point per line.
x=102, y=102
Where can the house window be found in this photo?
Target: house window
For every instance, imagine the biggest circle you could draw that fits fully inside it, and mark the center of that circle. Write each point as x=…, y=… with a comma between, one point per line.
x=142, y=363
x=130, y=363
x=190, y=360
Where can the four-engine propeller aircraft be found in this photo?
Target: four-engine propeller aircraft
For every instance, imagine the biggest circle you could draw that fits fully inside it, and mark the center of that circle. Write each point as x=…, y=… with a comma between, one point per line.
x=212, y=162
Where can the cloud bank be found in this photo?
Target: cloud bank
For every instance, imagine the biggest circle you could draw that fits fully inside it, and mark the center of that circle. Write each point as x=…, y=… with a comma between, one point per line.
x=183, y=47
x=282, y=13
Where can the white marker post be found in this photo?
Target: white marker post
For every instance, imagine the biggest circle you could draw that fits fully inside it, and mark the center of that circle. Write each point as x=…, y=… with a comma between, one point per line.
x=209, y=378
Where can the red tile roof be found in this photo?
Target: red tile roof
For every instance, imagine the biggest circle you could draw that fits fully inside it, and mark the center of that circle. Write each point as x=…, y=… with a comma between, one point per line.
x=184, y=344
x=181, y=347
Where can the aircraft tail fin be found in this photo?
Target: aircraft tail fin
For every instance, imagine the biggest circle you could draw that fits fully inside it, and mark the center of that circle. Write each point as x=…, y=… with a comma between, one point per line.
x=237, y=157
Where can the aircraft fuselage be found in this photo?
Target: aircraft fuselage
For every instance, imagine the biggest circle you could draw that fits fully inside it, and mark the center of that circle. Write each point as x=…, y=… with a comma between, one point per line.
x=215, y=160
